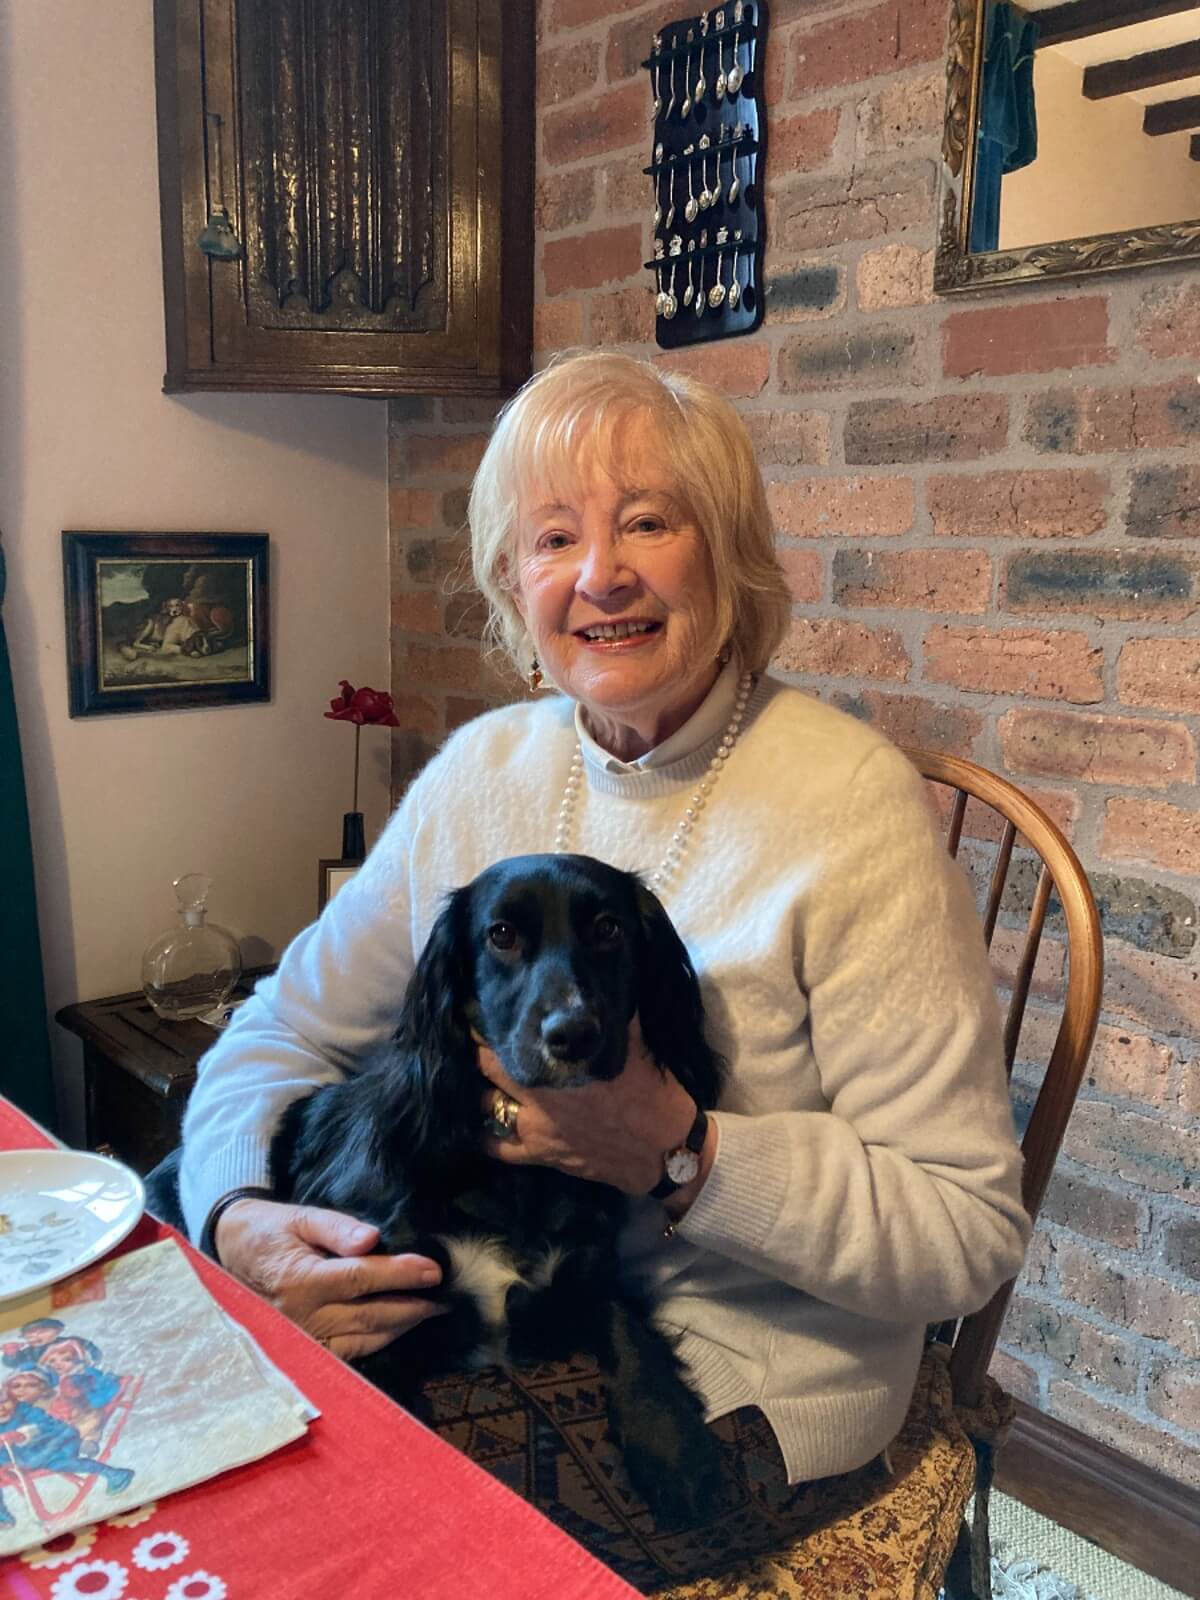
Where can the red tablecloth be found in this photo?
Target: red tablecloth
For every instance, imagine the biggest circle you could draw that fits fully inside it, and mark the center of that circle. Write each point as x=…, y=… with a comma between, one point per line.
x=368, y=1506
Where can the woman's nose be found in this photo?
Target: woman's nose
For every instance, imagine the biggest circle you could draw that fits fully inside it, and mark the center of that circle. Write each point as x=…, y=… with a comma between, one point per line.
x=602, y=569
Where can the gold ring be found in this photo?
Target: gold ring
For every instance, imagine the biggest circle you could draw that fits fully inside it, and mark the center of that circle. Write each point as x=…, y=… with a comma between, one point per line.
x=502, y=1123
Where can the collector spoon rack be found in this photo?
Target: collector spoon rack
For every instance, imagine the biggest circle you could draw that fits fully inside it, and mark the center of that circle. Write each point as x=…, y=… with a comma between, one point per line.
x=707, y=172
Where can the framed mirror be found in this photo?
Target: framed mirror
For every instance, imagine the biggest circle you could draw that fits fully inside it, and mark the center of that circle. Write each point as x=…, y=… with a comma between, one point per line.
x=1072, y=139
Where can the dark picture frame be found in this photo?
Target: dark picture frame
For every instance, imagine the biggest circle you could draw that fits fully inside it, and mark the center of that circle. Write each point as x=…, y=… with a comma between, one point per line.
x=333, y=875
x=165, y=621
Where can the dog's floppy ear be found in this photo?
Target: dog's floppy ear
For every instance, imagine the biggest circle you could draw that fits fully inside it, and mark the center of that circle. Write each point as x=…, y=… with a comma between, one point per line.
x=669, y=1005
x=442, y=1088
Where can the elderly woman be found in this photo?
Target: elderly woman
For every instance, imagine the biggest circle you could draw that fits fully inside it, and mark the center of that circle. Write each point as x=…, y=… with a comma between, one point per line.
x=860, y=1178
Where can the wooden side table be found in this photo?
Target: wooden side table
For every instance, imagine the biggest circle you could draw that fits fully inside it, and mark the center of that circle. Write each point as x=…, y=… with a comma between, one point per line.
x=138, y=1070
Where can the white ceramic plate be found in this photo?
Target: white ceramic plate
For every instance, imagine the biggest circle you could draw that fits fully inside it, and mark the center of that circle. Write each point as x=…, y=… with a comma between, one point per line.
x=60, y=1210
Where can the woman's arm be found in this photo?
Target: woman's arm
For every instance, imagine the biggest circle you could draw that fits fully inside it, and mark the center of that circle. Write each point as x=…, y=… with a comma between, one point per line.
x=903, y=1200
x=336, y=995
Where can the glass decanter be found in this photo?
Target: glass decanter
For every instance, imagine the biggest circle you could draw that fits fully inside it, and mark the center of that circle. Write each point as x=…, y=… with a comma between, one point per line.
x=195, y=966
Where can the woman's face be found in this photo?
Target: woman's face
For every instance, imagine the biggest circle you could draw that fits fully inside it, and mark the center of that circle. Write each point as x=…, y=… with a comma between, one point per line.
x=616, y=588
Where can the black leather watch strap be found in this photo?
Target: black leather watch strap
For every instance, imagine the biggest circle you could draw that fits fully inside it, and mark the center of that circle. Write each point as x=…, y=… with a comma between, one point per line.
x=693, y=1142
x=208, y=1235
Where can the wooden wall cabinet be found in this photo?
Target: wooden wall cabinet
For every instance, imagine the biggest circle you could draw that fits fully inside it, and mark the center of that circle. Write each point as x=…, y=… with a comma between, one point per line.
x=375, y=162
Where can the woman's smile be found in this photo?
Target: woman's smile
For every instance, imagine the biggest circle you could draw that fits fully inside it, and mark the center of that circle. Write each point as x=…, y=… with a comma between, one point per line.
x=623, y=635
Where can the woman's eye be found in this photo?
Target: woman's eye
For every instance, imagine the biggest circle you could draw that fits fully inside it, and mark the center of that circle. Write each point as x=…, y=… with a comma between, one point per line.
x=607, y=930
x=553, y=541
x=502, y=936
x=648, y=525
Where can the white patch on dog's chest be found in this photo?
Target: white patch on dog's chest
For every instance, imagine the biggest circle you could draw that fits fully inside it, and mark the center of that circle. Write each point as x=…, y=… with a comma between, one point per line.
x=486, y=1269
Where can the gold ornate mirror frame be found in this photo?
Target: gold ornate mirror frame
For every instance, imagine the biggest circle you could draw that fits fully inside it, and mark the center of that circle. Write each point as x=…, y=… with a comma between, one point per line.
x=957, y=268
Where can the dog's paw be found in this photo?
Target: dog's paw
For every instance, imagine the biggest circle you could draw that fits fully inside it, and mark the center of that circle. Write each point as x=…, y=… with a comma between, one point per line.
x=675, y=1464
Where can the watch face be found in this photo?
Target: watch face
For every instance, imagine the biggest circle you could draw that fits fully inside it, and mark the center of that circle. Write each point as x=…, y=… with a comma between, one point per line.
x=682, y=1164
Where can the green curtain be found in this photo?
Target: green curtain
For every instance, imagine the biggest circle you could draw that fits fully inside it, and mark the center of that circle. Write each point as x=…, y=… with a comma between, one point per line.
x=24, y=1038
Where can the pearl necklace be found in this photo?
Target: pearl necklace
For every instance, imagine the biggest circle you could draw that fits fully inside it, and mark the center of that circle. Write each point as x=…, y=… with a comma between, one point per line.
x=677, y=847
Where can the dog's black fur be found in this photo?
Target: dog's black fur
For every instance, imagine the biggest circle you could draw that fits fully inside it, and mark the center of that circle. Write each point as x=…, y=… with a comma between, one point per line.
x=547, y=958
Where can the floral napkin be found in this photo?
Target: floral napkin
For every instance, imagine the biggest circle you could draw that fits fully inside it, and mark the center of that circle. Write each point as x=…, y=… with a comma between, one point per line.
x=123, y=1384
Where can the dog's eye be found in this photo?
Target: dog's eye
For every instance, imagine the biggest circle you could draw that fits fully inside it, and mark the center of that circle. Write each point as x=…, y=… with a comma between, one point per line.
x=607, y=930
x=502, y=936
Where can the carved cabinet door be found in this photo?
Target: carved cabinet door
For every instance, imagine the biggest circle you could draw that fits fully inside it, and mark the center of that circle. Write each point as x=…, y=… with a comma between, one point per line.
x=346, y=194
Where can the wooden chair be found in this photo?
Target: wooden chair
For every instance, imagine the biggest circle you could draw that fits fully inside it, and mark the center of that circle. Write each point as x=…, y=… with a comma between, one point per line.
x=903, y=1538
x=1061, y=872
x=974, y=1341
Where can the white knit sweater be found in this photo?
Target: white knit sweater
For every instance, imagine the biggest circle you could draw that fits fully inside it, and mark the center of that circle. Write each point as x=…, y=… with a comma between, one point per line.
x=866, y=1182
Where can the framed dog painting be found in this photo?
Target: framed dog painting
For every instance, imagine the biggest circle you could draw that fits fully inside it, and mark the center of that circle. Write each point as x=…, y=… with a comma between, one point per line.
x=160, y=621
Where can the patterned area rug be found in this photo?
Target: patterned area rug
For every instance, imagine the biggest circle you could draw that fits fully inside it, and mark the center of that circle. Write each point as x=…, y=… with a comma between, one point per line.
x=1026, y=1578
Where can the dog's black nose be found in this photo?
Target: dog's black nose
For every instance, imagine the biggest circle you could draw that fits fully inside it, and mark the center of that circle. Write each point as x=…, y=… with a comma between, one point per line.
x=571, y=1035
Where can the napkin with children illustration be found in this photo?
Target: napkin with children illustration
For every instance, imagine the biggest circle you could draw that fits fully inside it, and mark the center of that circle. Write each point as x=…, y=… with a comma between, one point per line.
x=121, y=1385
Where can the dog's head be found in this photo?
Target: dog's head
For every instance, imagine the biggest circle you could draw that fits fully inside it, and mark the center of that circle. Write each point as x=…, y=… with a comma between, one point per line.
x=554, y=947
x=547, y=958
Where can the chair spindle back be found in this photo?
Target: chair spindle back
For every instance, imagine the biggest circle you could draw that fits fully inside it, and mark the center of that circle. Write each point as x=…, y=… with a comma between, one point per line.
x=1061, y=872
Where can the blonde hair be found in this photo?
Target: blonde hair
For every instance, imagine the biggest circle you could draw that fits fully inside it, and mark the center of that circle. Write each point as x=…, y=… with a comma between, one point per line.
x=592, y=411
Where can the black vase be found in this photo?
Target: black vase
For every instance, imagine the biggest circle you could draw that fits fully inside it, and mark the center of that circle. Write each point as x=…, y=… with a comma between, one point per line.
x=354, y=842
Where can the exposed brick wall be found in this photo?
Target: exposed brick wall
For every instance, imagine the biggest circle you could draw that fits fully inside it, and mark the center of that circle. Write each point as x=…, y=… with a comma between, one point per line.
x=987, y=507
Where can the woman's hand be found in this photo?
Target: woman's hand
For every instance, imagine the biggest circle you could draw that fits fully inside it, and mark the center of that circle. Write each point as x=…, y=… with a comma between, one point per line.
x=314, y=1266
x=611, y=1132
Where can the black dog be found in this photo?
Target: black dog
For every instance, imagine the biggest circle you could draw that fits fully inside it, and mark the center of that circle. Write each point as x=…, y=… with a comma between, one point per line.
x=547, y=958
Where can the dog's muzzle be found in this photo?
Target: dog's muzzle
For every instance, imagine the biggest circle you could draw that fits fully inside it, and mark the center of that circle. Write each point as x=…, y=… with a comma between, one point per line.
x=571, y=1035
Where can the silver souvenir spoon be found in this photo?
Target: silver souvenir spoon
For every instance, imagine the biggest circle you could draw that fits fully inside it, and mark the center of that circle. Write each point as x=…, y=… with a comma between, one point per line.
x=692, y=210
x=735, y=288
x=734, y=81
x=722, y=80
x=704, y=197
x=716, y=295
x=701, y=86
x=689, y=294
x=670, y=304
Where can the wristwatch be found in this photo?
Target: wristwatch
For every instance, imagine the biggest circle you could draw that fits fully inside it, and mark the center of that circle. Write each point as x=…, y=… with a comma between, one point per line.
x=682, y=1164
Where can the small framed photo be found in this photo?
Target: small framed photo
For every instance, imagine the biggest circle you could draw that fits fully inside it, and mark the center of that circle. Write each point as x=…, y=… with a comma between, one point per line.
x=332, y=876
x=163, y=621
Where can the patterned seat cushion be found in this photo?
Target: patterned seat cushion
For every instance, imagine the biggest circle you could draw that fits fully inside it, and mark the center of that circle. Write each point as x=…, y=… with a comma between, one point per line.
x=867, y=1533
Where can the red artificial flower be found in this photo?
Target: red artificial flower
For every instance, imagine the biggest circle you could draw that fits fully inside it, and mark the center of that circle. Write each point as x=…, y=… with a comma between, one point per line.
x=370, y=708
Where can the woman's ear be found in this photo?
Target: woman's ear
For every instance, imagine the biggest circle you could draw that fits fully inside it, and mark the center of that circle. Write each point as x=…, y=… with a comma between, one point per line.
x=669, y=1006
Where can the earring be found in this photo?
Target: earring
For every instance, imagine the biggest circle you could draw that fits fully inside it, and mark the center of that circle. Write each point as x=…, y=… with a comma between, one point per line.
x=724, y=655
x=535, y=676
